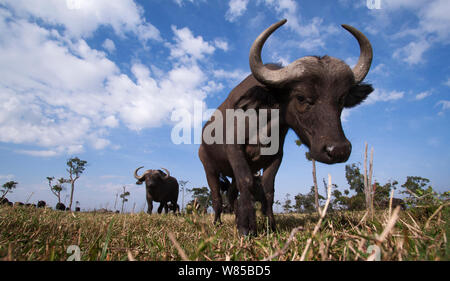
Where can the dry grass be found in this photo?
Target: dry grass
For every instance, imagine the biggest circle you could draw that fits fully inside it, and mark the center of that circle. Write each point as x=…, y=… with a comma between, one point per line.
x=43, y=234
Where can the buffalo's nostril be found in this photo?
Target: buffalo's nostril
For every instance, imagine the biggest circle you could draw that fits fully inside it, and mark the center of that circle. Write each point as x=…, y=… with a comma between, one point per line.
x=329, y=149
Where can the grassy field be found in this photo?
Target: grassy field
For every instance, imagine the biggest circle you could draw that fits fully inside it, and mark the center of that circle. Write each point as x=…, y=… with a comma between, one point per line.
x=44, y=234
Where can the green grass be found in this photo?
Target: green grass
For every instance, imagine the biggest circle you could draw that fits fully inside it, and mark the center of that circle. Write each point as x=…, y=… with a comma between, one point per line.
x=44, y=234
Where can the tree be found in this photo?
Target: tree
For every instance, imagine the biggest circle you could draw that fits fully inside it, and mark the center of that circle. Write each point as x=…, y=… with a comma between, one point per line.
x=287, y=204
x=316, y=192
x=76, y=167
x=354, y=178
x=182, y=184
x=124, y=196
x=7, y=187
x=306, y=203
x=203, y=197
x=420, y=192
x=57, y=188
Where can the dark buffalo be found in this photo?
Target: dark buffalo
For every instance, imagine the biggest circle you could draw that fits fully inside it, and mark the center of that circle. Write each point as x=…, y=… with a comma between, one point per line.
x=309, y=96
x=60, y=207
x=41, y=204
x=4, y=201
x=232, y=193
x=160, y=187
x=77, y=209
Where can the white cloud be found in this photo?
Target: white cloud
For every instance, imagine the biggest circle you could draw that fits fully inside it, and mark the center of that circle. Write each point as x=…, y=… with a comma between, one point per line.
x=445, y=104
x=433, y=26
x=236, y=8
x=380, y=69
x=233, y=76
x=423, y=95
x=180, y=2
x=447, y=83
x=81, y=18
x=109, y=45
x=187, y=46
x=61, y=95
x=380, y=95
x=7, y=177
x=221, y=44
x=413, y=52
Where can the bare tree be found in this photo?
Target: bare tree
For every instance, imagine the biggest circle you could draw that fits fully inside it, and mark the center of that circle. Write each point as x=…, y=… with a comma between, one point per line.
x=368, y=189
x=124, y=196
x=182, y=184
x=75, y=168
x=58, y=187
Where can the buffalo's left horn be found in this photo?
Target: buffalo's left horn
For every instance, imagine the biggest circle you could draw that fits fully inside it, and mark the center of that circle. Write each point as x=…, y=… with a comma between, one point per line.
x=139, y=178
x=167, y=173
x=366, y=54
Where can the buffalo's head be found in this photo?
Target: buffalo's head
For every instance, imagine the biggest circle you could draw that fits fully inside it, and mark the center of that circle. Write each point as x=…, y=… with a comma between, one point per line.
x=313, y=92
x=151, y=177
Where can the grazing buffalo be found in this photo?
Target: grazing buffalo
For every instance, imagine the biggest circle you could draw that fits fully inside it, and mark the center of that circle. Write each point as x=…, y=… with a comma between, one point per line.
x=232, y=193
x=4, y=201
x=160, y=187
x=307, y=96
x=41, y=204
x=60, y=207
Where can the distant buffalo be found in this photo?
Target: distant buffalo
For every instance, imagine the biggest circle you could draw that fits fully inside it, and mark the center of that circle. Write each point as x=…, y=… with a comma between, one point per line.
x=4, y=201
x=60, y=207
x=160, y=187
x=77, y=209
x=41, y=204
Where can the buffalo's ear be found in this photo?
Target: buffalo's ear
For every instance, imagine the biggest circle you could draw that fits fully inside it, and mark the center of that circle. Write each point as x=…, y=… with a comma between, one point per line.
x=139, y=182
x=256, y=98
x=357, y=94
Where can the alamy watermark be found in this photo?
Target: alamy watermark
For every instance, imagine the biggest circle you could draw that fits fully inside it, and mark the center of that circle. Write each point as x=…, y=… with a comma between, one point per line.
x=373, y=4
x=75, y=252
x=241, y=127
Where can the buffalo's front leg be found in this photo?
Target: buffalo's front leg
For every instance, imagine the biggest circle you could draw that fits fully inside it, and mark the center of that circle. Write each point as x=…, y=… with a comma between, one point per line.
x=161, y=206
x=267, y=182
x=246, y=216
x=150, y=205
x=212, y=176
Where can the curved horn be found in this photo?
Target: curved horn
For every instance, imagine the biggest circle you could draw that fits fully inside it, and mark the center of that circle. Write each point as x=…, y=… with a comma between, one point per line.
x=274, y=78
x=167, y=173
x=139, y=178
x=366, y=54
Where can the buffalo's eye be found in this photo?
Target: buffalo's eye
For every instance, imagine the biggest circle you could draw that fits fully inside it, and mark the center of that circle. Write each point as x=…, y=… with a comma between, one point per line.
x=305, y=100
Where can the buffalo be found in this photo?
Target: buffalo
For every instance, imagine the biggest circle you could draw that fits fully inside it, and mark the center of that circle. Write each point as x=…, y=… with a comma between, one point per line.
x=307, y=96
x=4, y=201
x=60, y=207
x=160, y=187
x=41, y=204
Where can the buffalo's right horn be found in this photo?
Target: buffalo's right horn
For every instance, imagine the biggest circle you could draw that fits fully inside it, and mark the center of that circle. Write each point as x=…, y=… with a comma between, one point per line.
x=271, y=77
x=167, y=173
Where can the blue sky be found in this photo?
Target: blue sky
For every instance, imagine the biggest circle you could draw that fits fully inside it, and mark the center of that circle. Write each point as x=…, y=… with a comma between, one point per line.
x=101, y=79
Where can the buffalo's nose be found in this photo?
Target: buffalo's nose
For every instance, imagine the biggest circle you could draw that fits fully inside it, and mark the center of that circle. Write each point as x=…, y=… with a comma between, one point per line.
x=338, y=152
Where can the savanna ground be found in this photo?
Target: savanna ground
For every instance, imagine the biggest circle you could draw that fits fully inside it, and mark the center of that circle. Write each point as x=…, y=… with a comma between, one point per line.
x=43, y=234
